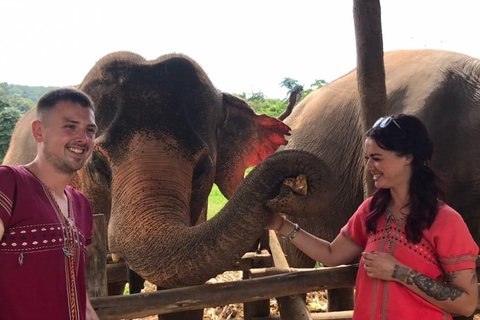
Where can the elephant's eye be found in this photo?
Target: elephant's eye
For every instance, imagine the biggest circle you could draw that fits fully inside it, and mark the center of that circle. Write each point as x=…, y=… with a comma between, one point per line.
x=202, y=172
x=99, y=170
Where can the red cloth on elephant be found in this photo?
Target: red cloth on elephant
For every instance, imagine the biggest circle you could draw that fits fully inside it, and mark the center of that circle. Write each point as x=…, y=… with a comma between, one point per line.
x=42, y=255
x=446, y=247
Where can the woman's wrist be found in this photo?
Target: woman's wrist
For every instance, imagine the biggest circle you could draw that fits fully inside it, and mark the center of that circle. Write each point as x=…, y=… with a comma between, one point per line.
x=280, y=226
x=288, y=229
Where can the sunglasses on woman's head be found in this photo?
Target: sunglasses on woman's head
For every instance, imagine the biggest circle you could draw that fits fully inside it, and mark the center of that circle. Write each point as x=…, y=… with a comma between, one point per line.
x=383, y=122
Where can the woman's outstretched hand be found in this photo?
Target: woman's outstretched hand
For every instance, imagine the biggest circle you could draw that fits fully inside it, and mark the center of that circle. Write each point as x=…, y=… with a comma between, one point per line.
x=275, y=222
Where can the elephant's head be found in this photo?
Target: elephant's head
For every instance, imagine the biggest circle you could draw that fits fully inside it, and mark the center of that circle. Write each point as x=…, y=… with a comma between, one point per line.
x=165, y=136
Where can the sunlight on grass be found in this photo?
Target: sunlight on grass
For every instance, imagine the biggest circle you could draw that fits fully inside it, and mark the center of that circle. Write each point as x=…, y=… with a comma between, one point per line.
x=216, y=200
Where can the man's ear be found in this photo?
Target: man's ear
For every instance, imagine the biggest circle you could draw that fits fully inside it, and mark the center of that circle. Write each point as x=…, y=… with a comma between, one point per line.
x=37, y=131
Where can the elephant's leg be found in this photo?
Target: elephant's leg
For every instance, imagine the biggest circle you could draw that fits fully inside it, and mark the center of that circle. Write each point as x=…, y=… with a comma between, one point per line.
x=187, y=315
x=135, y=282
x=340, y=299
x=116, y=289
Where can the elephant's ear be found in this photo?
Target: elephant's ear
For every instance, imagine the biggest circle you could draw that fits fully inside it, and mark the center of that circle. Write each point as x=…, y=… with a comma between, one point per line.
x=244, y=139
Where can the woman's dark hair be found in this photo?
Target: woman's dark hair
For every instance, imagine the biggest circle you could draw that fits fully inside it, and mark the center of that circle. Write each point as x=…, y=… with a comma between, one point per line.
x=407, y=135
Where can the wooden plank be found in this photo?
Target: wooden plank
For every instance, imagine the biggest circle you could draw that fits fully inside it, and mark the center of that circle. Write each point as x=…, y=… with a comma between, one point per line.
x=203, y=296
x=97, y=269
x=117, y=272
x=263, y=272
x=337, y=315
x=261, y=259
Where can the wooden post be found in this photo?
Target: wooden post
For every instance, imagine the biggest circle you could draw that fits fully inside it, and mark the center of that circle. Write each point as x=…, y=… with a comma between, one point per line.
x=257, y=308
x=97, y=262
x=370, y=67
x=290, y=307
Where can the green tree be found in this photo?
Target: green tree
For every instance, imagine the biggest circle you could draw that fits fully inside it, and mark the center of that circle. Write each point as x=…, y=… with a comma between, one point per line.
x=22, y=104
x=9, y=117
x=275, y=107
x=263, y=105
x=4, y=103
x=28, y=92
x=3, y=100
x=289, y=83
x=318, y=83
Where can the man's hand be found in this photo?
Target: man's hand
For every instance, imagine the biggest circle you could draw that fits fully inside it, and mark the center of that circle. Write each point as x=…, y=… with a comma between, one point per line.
x=91, y=314
x=2, y=229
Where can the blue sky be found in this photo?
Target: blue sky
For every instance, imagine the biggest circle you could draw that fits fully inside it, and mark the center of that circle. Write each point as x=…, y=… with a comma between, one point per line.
x=244, y=46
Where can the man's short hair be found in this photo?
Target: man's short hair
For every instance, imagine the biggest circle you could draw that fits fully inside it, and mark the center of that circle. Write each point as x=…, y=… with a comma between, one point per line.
x=50, y=99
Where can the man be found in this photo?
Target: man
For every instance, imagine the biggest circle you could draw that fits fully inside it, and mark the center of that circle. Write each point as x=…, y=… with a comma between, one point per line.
x=45, y=224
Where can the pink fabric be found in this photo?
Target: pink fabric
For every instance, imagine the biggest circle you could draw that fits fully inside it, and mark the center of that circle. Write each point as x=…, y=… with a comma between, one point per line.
x=447, y=245
x=34, y=269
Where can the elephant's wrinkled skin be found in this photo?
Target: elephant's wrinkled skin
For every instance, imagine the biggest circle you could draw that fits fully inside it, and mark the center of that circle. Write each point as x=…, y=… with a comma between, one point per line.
x=441, y=88
x=165, y=136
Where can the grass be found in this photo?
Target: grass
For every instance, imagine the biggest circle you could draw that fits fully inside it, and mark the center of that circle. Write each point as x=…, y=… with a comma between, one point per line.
x=216, y=200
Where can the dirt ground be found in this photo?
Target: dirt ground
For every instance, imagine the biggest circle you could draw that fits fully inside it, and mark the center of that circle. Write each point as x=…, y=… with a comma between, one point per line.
x=316, y=301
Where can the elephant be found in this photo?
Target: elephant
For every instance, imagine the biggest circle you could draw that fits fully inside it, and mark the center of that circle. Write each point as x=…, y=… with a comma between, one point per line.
x=165, y=135
x=441, y=88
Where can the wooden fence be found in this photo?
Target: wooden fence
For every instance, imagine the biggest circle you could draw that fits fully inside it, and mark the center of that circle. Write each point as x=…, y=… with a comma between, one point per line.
x=265, y=282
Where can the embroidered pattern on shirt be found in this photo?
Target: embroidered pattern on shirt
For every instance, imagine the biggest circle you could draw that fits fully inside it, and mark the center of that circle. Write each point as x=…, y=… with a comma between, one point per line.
x=36, y=237
x=450, y=261
x=423, y=250
x=6, y=203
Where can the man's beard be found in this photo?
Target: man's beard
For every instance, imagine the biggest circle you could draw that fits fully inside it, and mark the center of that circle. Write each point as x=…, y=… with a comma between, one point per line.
x=62, y=165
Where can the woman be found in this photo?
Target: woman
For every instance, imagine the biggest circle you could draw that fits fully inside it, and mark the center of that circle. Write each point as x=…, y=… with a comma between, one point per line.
x=417, y=255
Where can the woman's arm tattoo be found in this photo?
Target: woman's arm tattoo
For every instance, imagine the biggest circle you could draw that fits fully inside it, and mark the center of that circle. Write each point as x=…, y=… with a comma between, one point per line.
x=404, y=274
x=439, y=291
x=432, y=288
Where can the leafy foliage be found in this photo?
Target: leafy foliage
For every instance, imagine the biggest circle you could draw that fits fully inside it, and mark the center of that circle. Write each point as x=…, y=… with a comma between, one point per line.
x=314, y=86
x=9, y=117
x=32, y=93
x=20, y=103
x=263, y=105
x=21, y=97
x=3, y=102
x=275, y=107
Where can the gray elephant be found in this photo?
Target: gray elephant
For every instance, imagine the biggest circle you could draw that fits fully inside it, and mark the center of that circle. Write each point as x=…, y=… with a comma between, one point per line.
x=441, y=88
x=165, y=135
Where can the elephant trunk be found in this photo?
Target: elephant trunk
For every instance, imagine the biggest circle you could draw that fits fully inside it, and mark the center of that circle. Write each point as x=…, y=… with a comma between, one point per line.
x=179, y=255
